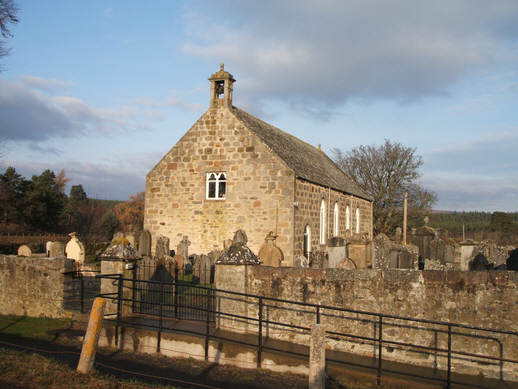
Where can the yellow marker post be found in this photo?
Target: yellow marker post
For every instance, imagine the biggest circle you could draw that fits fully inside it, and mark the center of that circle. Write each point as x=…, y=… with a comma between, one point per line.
x=86, y=361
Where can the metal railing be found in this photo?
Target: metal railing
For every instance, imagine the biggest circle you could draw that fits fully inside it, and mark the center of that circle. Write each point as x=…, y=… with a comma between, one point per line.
x=80, y=289
x=394, y=339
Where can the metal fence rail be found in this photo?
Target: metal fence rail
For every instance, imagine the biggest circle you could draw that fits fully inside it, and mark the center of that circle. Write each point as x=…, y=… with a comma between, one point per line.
x=79, y=290
x=447, y=344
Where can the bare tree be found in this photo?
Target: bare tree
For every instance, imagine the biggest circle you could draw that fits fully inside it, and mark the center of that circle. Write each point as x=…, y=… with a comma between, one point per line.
x=8, y=11
x=386, y=172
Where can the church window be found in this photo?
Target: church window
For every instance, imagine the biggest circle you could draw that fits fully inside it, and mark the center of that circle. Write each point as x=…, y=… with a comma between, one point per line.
x=323, y=222
x=216, y=186
x=335, y=220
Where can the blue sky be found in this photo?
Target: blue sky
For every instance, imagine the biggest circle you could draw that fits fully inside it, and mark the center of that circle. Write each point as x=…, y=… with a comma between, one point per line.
x=103, y=89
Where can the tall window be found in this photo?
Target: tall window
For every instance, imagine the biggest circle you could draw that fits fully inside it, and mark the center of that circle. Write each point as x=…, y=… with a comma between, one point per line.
x=348, y=218
x=357, y=220
x=216, y=186
x=307, y=241
x=323, y=222
x=335, y=220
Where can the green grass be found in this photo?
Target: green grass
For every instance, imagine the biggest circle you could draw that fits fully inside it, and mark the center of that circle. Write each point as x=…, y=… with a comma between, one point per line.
x=30, y=327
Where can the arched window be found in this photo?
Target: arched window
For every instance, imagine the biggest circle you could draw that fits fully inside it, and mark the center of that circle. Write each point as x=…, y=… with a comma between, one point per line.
x=347, y=218
x=307, y=241
x=357, y=220
x=335, y=220
x=323, y=222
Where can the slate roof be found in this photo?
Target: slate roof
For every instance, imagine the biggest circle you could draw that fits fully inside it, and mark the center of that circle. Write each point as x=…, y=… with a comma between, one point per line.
x=306, y=161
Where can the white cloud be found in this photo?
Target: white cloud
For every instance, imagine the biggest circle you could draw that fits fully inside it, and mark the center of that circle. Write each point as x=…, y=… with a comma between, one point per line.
x=333, y=51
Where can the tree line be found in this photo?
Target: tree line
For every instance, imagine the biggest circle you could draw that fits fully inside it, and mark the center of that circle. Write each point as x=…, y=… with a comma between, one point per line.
x=41, y=205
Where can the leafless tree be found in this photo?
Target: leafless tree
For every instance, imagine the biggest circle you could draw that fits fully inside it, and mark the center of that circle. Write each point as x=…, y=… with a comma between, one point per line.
x=8, y=11
x=386, y=172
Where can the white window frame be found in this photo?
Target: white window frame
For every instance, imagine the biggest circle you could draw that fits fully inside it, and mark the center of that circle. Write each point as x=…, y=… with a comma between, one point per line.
x=357, y=220
x=219, y=180
x=323, y=222
x=307, y=241
x=347, y=218
x=335, y=220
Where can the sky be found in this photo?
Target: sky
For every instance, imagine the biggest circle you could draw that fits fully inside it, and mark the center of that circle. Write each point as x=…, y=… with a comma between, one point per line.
x=104, y=89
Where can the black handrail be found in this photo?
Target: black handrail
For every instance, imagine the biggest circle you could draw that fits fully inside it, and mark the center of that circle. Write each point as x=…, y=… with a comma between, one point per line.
x=317, y=310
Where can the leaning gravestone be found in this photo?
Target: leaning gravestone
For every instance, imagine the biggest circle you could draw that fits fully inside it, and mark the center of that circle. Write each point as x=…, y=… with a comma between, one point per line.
x=346, y=263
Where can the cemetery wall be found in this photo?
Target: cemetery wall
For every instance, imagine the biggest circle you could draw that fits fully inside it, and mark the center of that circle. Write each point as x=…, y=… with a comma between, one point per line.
x=482, y=299
x=33, y=286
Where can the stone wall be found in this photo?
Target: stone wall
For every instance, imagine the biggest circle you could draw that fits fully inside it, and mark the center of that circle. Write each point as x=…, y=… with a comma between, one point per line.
x=483, y=299
x=259, y=194
x=33, y=286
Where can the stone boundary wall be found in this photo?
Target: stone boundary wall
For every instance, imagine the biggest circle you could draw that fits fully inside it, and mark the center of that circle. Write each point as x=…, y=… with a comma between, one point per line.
x=481, y=299
x=33, y=286
x=32, y=239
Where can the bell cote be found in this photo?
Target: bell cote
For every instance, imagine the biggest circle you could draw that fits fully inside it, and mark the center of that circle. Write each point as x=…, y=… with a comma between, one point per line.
x=221, y=87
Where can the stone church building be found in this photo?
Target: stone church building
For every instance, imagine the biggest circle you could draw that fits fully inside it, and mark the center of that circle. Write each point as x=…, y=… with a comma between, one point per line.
x=233, y=171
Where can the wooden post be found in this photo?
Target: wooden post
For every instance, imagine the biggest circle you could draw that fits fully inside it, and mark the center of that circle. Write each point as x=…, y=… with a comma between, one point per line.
x=405, y=215
x=86, y=361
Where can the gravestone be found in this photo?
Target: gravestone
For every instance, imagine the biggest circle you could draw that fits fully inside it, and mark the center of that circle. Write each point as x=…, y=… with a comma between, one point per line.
x=336, y=251
x=381, y=251
x=437, y=250
x=346, y=263
x=130, y=236
x=512, y=261
x=423, y=238
x=144, y=245
x=480, y=262
x=301, y=261
x=318, y=260
x=183, y=247
x=56, y=250
x=238, y=253
x=270, y=254
x=162, y=247
x=24, y=251
x=409, y=257
x=449, y=254
x=49, y=243
x=75, y=249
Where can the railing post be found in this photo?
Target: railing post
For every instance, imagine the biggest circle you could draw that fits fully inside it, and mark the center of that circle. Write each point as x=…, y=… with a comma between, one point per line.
x=448, y=383
x=160, y=312
x=119, y=307
x=260, y=346
x=318, y=314
x=176, y=291
x=81, y=293
x=208, y=297
x=380, y=348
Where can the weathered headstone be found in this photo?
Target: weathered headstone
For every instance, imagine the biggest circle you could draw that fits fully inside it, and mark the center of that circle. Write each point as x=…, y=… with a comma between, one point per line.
x=48, y=244
x=301, y=261
x=270, y=254
x=238, y=253
x=346, y=263
x=423, y=238
x=381, y=251
x=24, y=251
x=56, y=250
x=144, y=245
x=437, y=250
x=409, y=257
x=449, y=254
x=183, y=247
x=318, y=260
x=162, y=247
